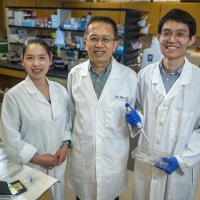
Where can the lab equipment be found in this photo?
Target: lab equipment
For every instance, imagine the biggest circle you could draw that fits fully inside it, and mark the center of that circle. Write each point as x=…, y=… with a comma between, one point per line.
x=16, y=187
x=134, y=120
x=74, y=23
x=152, y=54
x=149, y=155
x=4, y=190
x=132, y=117
x=161, y=164
x=58, y=63
x=54, y=20
x=28, y=22
x=29, y=178
x=83, y=23
x=168, y=164
x=89, y=17
x=60, y=39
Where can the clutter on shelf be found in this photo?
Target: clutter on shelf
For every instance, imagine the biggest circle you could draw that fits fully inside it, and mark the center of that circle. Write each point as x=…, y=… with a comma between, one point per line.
x=65, y=33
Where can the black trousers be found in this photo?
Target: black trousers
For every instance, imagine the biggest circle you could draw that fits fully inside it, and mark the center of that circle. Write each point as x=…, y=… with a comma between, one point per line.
x=117, y=198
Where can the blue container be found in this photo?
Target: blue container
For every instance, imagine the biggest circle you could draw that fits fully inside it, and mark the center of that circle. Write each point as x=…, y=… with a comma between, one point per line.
x=83, y=23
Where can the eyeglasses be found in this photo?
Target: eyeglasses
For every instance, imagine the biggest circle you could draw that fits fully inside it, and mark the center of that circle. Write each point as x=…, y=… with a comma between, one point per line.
x=104, y=39
x=179, y=36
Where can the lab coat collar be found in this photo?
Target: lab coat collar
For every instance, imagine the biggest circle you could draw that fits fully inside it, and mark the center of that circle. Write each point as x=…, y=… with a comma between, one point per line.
x=112, y=79
x=157, y=79
x=87, y=83
x=32, y=90
x=186, y=74
x=183, y=79
x=84, y=68
x=30, y=85
x=54, y=97
x=115, y=72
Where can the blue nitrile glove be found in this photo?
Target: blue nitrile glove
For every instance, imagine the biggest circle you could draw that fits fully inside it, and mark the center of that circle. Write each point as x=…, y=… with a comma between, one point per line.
x=132, y=117
x=168, y=165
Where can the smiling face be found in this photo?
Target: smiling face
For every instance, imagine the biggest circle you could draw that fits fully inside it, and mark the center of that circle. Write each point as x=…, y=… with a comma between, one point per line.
x=174, y=40
x=100, y=43
x=36, y=61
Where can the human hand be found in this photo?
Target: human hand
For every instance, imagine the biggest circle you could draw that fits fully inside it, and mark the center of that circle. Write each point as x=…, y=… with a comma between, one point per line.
x=61, y=154
x=132, y=117
x=168, y=165
x=46, y=160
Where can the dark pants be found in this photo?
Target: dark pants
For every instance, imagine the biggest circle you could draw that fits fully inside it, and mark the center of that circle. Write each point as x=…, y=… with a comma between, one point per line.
x=117, y=198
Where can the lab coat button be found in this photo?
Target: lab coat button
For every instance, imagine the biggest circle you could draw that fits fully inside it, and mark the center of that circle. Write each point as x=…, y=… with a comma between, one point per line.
x=157, y=142
x=154, y=177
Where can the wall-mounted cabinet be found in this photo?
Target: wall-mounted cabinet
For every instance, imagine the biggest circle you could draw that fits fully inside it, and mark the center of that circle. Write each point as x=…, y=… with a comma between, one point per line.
x=157, y=9
x=151, y=8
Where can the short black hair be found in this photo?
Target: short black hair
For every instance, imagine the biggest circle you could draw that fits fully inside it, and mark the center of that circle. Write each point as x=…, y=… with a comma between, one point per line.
x=105, y=20
x=36, y=41
x=180, y=16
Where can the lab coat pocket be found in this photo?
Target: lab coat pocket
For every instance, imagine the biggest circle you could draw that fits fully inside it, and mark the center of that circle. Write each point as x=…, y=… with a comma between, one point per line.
x=115, y=114
x=180, y=186
x=181, y=123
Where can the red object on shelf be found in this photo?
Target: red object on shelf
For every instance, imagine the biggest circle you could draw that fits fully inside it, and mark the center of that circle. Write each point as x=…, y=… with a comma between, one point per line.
x=198, y=49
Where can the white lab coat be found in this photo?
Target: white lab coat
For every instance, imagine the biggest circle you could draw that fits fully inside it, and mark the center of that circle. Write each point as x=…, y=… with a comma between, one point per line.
x=100, y=135
x=172, y=122
x=32, y=124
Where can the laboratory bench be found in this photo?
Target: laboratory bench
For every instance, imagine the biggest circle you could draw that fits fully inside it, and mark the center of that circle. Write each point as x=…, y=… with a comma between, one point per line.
x=11, y=74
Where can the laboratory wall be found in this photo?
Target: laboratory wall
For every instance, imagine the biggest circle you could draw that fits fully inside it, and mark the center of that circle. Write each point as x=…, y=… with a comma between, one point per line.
x=156, y=9
x=1, y=14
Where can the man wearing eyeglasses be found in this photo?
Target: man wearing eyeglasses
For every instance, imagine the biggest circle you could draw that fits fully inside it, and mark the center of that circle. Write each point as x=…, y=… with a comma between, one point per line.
x=98, y=90
x=169, y=98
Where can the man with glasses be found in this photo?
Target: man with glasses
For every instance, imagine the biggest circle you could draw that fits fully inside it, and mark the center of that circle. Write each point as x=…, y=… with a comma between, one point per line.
x=168, y=98
x=98, y=90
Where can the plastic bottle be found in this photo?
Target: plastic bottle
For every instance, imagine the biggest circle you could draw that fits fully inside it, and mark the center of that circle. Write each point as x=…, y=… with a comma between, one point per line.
x=74, y=23
x=83, y=23
x=60, y=38
x=45, y=22
x=89, y=17
x=49, y=24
